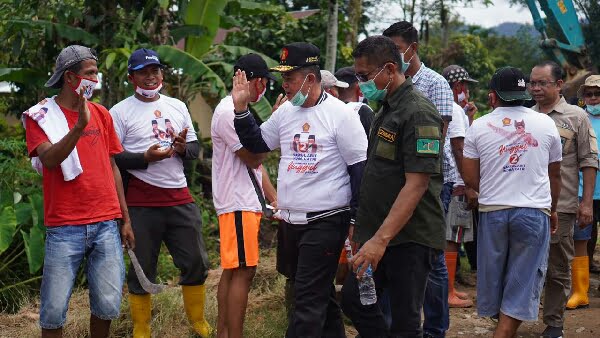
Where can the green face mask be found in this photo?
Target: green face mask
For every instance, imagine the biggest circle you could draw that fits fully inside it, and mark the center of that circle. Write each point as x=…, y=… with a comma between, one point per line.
x=405, y=64
x=300, y=98
x=370, y=91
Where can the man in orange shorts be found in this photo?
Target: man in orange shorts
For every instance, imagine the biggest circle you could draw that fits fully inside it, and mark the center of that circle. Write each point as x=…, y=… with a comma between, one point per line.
x=237, y=202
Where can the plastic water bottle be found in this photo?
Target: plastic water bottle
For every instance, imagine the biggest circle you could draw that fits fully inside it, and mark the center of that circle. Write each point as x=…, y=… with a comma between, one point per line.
x=366, y=288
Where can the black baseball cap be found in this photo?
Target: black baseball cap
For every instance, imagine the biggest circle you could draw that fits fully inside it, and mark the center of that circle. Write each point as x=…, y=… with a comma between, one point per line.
x=346, y=74
x=297, y=55
x=456, y=73
x=254, y=66
x=141, y=58
x=510, y=84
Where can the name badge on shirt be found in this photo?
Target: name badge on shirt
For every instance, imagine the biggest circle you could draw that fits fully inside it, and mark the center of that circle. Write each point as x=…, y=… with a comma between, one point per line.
x=386, y=135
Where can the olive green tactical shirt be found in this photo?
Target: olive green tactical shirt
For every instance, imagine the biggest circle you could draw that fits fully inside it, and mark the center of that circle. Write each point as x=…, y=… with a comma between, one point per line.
x=579, y=150
x=405, y=137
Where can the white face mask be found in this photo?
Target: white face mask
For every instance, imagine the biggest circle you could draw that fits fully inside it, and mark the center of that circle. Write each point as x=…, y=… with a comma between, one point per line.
x=461, y=97
x=148, y=93
x=87, y=86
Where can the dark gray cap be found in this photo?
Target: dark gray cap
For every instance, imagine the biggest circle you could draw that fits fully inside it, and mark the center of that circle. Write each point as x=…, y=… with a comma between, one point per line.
x=455, y=73
x=69, y=56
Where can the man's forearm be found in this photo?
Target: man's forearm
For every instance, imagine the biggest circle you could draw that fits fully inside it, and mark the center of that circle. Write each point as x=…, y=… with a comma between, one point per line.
x=249, y=133
x=402, y=209
x=457, y=144
x=589, y=183
x=56, y=153
x=120, y=190
x=128, y=160
x=356, y=173
x=192, y=150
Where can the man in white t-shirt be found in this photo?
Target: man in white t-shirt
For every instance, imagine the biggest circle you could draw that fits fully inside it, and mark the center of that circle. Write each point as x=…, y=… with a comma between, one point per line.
x=455, y=197
x=512, y=157
x=157, y=134
x=323, y=151
x=236, y=201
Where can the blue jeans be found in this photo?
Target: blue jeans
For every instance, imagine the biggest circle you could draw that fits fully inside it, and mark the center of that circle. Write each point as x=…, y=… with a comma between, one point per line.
x=435, y=306
x=66, y=247
x=512, y=258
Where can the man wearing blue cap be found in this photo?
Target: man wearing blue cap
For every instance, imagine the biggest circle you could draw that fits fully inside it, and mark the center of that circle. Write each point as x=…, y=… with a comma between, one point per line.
x=162, y=208
x=73, y=141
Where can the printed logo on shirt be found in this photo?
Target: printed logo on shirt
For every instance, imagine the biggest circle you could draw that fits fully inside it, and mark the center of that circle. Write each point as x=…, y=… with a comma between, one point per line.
x=158, y=114
x=160, y=135
x=386, y=135
x=506, y=122
x=305, y=152
x=519, y=143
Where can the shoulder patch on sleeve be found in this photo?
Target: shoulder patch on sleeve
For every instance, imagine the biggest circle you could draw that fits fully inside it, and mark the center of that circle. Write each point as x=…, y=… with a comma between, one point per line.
x=428, y=146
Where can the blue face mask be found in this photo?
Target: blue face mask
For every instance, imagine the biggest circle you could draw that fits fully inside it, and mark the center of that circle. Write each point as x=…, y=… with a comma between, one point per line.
x=405, y=64
x=370, y=91
x=593, y=109
x=300, y=98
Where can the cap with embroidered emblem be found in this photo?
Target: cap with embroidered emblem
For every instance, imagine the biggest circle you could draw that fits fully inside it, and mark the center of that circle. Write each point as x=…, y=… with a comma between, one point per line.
x=143, y=57
x=510, y=85
x=297, y=55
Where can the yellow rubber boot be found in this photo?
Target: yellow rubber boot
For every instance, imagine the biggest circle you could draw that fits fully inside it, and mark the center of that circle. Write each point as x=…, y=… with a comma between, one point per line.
x=193, y=302
x=580, y=276
x=141, y=308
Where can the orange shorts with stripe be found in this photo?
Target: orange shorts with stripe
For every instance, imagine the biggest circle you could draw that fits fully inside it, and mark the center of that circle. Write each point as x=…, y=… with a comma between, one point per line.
x=238, y=231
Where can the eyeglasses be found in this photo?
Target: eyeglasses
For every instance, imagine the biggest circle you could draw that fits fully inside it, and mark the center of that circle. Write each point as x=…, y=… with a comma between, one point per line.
x=541, y=84
x=365, y=77
x=589, y=95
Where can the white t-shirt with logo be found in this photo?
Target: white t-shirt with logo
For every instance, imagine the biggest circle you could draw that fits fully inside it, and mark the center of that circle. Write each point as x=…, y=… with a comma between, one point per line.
x=232, y=188
x=317, y=146
x=140, y=125
x=514, y=146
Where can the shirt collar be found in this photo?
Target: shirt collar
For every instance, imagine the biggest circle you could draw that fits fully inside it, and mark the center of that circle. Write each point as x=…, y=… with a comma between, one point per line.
x=419, y=73
x=394, y=98
x=560, y=107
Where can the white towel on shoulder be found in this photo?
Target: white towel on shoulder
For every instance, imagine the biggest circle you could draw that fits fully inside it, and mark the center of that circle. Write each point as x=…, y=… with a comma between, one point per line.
x=53, y=122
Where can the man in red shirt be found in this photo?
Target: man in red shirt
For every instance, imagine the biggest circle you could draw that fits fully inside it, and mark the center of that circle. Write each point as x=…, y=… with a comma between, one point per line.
x=83, y=194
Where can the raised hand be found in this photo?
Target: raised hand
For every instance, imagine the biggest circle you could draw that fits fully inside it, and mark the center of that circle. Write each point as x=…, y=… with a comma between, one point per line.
x=179, y=141
x=280, y=100
x=84, y=111
x=241, y=91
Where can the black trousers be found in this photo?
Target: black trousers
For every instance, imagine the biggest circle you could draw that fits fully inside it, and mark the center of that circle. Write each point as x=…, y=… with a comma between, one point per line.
x=308, y=255
x=180, y=228
x=403, y=270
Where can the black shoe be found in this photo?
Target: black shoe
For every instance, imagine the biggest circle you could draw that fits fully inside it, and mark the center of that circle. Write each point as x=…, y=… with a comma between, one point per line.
x=552, y=332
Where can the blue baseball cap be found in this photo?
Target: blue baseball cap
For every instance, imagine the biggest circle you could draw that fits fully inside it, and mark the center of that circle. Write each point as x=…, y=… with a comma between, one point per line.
x=143, y=57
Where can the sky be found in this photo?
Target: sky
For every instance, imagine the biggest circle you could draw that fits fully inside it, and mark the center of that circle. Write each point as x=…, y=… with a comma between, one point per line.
x=476, y=13
x=495, y=14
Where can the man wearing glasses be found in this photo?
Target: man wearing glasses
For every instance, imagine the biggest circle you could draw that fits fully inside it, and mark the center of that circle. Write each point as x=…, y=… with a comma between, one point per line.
x=580, y=152
x=399, y=222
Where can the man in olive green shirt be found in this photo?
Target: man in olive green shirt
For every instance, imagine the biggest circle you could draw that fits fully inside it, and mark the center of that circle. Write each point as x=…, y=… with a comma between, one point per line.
x=580, y=152
x=400, y=221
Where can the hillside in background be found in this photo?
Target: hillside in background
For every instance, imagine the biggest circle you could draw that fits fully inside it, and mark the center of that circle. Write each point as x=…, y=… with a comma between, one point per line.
x=511, y=29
